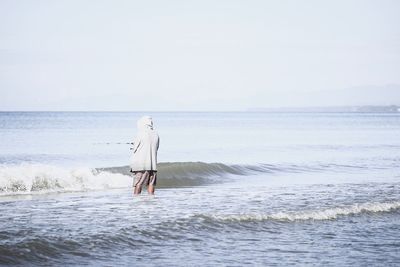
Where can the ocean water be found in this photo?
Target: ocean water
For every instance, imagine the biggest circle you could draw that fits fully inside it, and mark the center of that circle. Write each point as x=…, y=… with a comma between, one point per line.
x=234, y=189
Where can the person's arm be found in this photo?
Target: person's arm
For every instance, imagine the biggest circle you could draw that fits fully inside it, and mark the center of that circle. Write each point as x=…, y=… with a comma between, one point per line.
x=135, y=144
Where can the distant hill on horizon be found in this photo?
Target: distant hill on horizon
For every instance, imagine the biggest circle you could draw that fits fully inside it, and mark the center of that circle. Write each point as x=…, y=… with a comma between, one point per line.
x=362, y=109
x=353, y=98
x=365, y=96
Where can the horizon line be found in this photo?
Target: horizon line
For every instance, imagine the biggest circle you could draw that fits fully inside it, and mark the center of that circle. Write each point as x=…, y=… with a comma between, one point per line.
x=345, y=108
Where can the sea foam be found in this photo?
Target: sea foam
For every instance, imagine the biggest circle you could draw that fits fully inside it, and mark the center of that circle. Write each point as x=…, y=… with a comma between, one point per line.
x=324, y=214
x=34, y=178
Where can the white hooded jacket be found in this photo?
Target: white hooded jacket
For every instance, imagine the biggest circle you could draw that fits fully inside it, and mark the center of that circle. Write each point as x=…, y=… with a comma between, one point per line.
x=145, y=146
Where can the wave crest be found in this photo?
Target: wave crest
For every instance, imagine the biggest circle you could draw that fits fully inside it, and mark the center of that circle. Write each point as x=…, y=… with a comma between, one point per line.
x=34, y=178
x=28, y=178
x=327, y=214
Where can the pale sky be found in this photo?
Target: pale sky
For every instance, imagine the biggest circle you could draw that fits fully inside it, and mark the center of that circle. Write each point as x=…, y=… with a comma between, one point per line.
x=197, y=55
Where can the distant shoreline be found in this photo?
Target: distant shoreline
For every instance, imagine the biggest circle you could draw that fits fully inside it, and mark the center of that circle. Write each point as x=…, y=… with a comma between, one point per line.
x=331, y=109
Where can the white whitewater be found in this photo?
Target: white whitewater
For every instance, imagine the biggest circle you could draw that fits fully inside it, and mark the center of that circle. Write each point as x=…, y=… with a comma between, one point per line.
x=325, y=214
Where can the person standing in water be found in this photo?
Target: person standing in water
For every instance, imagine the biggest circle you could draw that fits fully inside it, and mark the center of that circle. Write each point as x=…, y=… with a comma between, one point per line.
x=144, y=159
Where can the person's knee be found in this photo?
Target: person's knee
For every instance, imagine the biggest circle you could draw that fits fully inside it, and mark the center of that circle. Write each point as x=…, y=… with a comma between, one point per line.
x=138, y=188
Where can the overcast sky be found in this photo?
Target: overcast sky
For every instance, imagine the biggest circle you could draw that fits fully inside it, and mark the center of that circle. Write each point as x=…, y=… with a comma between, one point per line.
x=197, y=55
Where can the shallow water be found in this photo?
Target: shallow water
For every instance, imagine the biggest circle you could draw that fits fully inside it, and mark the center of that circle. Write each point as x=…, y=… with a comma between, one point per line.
x=273, y=189
x=324, y=224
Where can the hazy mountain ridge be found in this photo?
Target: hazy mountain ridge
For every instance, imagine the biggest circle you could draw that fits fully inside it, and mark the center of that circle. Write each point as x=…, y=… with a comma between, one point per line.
x=356, y=99
x=361, y=109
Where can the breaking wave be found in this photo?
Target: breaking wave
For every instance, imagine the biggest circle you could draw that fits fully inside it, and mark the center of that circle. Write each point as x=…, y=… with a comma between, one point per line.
x=38, y=178
x=35, y=178
x=326, y=214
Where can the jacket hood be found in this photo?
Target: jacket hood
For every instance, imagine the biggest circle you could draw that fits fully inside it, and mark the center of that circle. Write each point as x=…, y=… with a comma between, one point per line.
x=144, y=123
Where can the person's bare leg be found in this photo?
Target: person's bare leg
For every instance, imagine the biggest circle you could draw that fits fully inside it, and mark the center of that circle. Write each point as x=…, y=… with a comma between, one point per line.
x=138, y=186
x=137, y=190
x=150, y=189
